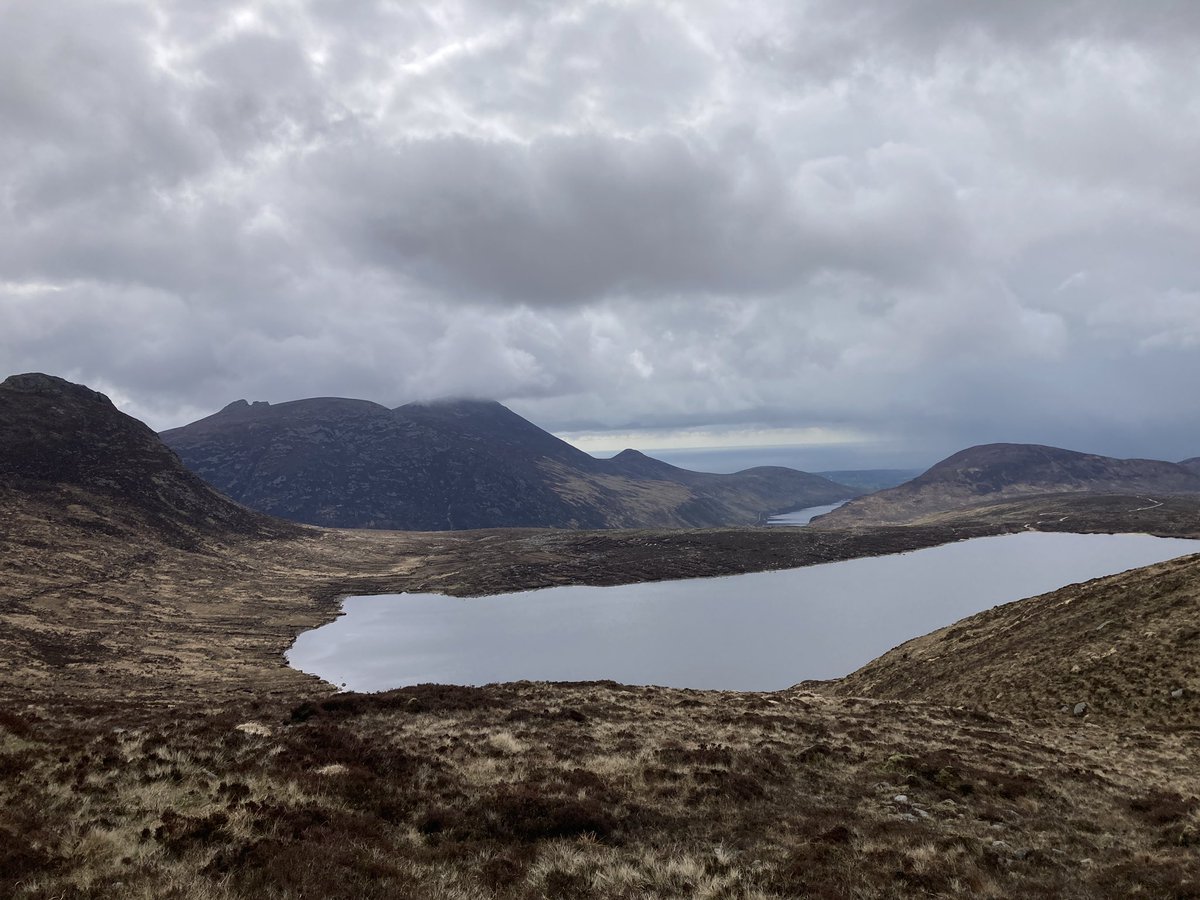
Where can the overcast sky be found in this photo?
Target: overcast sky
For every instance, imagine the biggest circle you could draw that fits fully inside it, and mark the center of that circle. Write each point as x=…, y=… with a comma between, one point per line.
x=922, y=224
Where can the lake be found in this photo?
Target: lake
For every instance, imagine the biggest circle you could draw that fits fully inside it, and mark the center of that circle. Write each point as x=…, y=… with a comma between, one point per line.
x=756, y=632
x=804, y=516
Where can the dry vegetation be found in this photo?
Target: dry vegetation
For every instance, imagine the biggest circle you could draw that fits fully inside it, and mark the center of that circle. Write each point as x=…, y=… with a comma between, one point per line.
x=153, y=745
x=96, y=600
x=1077, y=512
x=591, y=790
x=1128, y=646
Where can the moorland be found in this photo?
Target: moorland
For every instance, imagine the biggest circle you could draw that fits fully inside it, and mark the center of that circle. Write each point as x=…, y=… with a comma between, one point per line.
x=153, y=743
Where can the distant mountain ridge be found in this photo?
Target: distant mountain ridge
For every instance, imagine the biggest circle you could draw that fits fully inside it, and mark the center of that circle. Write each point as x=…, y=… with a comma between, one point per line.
x=991, y=472
x=458, y=464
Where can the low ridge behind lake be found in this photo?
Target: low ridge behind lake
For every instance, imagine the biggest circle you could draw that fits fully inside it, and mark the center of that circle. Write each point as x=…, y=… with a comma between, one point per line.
x=990, y=473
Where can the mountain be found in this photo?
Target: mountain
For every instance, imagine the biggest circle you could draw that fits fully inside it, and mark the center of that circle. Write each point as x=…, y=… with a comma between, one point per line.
x=461, y=464
x=1192, y=465
x=69, y=447
x=993, y=472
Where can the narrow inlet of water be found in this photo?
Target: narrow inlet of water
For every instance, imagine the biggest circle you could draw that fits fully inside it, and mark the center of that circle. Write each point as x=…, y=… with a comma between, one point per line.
x=800, y=517
x=756, y=632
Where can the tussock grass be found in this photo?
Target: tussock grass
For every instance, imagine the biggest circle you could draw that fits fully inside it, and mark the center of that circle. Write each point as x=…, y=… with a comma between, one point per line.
x=152, y=744
x=648, y=793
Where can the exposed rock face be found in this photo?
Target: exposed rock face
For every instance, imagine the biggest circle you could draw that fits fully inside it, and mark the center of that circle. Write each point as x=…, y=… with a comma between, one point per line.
x=55, y=435
x=996, y=471
x=460, y=464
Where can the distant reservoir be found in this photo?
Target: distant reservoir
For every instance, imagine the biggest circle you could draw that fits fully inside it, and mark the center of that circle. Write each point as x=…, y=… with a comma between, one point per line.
x=799, y=517
x=755, y=632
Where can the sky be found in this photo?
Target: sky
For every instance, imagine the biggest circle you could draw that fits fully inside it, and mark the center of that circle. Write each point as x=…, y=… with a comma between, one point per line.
x=897, y=228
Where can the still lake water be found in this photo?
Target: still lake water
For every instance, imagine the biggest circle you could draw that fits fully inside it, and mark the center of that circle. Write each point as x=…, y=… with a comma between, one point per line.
x=756, y=632
x=804, y=516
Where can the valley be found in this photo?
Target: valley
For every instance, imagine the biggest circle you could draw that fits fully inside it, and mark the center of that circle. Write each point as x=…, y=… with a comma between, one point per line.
x=153, y=743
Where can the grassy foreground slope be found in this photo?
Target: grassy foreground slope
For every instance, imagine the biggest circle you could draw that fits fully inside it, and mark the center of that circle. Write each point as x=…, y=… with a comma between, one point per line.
x=1128, y=646
x=153, y=744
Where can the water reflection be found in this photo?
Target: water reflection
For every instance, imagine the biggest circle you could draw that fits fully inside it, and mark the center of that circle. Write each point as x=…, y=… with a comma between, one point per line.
x=760, y=631
x=804, y=516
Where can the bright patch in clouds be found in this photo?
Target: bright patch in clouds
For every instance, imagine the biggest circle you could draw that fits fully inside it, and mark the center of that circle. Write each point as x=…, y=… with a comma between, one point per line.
x=706, y=439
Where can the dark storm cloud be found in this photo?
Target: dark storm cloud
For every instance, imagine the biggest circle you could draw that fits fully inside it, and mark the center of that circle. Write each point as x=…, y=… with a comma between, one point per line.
x=567, y=219
x=967, y=220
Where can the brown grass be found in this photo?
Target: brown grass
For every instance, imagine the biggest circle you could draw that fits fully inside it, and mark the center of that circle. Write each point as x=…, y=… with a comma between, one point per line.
x=1123, y=645
x=152, y=744
x=658, y=793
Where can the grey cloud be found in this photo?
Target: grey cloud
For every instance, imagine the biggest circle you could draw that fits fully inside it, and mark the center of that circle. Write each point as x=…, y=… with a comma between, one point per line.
x=259, y=90
x=85, y=113
x=576, y=218
x=830, y=37
x=961, y=220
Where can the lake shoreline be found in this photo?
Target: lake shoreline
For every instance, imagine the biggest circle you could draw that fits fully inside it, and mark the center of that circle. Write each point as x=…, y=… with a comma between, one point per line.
x=568, y=633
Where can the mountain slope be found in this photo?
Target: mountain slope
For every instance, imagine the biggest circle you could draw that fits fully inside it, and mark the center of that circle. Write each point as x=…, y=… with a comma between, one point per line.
x=109, y=547
x=63, y=440
x=460, y=464
x=1125, y=645
x=992, y=472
